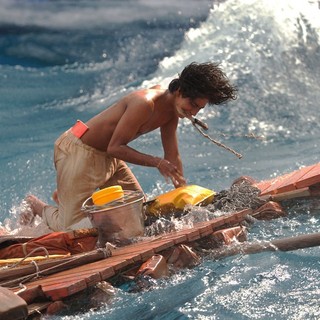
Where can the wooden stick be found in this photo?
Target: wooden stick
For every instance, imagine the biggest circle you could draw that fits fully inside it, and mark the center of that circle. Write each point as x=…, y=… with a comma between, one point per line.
x=216, y=142
x=298, y=193
x=284, y=244
x=199, y=122
x=304, y=193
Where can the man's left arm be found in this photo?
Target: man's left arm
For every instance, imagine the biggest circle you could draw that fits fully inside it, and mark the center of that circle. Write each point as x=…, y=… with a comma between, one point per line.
x=170, y=145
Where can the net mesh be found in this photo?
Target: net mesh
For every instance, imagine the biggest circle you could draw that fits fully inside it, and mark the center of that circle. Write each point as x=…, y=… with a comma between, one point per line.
x=241, y=195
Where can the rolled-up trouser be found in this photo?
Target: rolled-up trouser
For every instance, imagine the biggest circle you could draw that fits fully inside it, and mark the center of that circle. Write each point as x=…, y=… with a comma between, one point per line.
x=82, y=169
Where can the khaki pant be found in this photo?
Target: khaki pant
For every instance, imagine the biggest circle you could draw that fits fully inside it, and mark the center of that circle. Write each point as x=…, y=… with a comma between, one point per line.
x=81, y=170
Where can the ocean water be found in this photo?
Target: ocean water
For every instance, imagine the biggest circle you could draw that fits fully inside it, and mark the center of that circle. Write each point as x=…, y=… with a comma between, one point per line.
x=67, y=60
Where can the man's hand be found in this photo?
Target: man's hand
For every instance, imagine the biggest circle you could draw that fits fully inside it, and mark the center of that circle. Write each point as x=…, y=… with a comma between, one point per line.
x=170, y=171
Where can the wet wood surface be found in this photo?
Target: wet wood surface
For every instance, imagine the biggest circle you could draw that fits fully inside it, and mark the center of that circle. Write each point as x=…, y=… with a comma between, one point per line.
x=304, y=182
x=66, y=283
x=296, y=180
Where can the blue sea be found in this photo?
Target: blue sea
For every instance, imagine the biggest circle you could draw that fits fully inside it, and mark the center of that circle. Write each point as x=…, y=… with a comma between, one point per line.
x=66, y=60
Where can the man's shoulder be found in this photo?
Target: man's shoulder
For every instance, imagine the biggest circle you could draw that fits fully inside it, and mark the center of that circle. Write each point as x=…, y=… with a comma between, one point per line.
x=144, y=97
x=156, y=86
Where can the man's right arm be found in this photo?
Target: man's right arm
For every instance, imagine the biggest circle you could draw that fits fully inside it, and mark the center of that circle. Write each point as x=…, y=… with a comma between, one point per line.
x=126, y=130
x=172, y=165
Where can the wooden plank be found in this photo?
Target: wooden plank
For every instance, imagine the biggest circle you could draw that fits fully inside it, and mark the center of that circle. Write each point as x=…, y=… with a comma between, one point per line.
x=276, y=183
x=310, y=178
x=119, y=264
x=133, y=248
x=49, y=267
x=93, y=279
x=176, y=237
x=67, y=275
x=92, y=268
x=240, y=215
x=290, y=183
x=89, y=276
x=205, y=230
x=62, y=290
x=234, y=218
x=297, y=179
x=188, y=234
x=143, y=249
x=133, y=256
x=263, y=185
x=107, y=273
x=163, y=245
x=298, y=193
x=193, y=235
x=218, y=222
x=203, y=224
x=147, y=253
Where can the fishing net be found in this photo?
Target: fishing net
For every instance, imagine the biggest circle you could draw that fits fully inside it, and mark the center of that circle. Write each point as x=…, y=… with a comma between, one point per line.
x=241, y=195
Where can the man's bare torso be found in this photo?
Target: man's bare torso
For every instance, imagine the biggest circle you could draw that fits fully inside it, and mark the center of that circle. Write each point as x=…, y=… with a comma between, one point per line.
x=137, y=113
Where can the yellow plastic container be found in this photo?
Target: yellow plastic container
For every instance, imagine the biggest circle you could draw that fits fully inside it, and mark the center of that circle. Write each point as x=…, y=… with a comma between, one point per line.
x=178, y=198
x=107, y=195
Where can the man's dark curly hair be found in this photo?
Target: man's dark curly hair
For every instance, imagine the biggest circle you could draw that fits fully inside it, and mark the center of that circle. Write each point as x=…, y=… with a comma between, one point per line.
x=204, y=80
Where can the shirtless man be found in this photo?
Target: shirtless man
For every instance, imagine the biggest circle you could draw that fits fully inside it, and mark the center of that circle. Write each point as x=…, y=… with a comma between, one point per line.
x=93, y=155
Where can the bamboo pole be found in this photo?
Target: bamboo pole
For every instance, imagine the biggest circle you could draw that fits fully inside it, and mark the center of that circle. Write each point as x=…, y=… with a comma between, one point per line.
x=284, y=244
x=12, y=276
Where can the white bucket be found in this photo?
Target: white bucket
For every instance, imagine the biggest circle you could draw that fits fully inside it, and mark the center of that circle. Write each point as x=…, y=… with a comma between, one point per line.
x=117, y=221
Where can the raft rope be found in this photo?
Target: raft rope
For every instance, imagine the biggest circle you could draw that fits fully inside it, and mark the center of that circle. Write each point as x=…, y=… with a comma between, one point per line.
x=37, y=269
x=107, y=252
x=29, y=254
x=23, y=288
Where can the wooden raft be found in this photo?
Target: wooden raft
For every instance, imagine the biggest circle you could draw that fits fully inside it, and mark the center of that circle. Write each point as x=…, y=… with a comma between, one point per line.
x=304, y=182
x=69, y=282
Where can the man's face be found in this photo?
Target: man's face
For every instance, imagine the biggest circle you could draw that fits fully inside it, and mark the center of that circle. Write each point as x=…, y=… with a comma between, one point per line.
x=187, y=107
